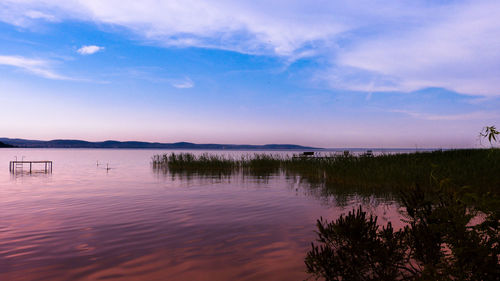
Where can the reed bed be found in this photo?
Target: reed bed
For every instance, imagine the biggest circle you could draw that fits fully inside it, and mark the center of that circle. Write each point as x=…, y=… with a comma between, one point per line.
x=189, y=161
x=257, y=164
x=477, y=168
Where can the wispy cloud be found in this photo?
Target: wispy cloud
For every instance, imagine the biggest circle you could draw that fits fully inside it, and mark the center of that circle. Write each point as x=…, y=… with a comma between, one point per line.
x=185, y=83
x=33, y=14
x=89, y=50
x=283, y=28
x=377, y=45
x=456, y=48
x=478, y=115
x=38, y=67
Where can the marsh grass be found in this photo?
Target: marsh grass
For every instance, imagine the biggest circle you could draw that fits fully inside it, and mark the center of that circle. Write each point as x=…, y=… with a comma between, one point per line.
x=478, y=169
x=212, y=164
x=188, y=161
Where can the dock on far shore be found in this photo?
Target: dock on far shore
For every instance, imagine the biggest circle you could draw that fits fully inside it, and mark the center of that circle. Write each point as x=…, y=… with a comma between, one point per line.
x=15, y=165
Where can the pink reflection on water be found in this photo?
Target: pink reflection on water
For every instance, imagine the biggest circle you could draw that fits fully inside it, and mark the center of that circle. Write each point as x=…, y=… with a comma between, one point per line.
x=86, y=223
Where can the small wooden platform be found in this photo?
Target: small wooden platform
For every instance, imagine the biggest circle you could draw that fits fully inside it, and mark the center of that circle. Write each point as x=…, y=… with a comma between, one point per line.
x=14, y=165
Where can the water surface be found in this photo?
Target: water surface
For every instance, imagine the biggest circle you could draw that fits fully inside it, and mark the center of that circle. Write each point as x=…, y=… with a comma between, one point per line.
x=85, y=222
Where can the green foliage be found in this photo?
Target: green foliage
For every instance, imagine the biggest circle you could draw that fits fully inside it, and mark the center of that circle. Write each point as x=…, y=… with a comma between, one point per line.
x=439, y=242
x=353, y=248
x=490, y=133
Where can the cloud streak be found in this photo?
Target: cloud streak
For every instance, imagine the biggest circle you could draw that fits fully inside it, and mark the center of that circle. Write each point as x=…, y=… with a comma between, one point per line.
x=35, y=66
x=183, y=84
x=478, y=115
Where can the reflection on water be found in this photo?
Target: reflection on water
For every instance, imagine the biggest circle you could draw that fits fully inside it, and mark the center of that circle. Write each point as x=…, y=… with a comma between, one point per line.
x=83, y=222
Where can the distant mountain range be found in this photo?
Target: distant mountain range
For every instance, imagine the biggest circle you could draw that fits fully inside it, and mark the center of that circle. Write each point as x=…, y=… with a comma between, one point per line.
x=145, y=145
x=5, y=145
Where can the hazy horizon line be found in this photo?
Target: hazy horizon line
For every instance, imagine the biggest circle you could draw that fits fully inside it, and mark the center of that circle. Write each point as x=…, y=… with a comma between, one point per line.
x=241, y=144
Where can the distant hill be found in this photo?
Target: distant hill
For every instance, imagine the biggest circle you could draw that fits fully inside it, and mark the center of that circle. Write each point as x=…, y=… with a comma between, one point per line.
x=145, y=145
x=5, y=145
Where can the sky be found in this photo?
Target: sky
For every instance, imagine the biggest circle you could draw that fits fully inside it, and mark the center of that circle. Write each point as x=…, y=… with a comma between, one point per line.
x=380, y=74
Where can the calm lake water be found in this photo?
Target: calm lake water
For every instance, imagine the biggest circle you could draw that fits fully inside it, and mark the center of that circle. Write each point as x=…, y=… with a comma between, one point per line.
x=83, y=222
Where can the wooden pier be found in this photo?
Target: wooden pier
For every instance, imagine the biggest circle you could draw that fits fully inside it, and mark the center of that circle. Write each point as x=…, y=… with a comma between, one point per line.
x=14, y=165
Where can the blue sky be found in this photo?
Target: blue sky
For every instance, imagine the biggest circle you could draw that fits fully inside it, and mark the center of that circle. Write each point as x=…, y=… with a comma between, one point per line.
x=321, y=73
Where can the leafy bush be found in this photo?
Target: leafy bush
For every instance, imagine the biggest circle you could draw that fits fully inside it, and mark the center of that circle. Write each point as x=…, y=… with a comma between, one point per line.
x=439, y=242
